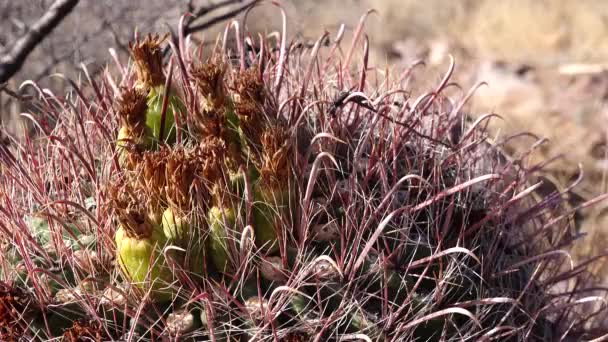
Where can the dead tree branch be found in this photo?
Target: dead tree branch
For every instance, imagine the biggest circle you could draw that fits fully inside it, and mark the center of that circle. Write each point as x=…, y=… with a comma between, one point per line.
x=190, y=25
x=13, y=61
x=190, y=28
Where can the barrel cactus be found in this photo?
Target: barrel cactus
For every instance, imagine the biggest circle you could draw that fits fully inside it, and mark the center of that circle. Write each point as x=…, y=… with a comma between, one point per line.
x=291, y=193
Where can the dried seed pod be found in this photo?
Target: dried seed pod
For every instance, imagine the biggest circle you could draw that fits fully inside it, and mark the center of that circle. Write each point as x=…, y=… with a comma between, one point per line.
x=134, y=136
x=147, y=54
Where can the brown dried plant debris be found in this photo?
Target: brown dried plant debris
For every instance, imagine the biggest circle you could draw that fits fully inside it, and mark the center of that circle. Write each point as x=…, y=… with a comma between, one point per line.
x=212, y=122
x=148, y=57
x=131, y=108
x=209, y=80
x=275, y=164
x=249, y=86
x=211, y=154
x=132, y=210
x=151, y=174
x=250, y=101
x=180, y=173
x=132, y=159
x=83, y=330
x=13, y=303
x=252, y=122
x=214, y=106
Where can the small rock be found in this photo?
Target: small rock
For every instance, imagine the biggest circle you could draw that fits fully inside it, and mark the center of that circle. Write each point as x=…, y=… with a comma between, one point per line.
x=113, y=298
x=180, y=322
x=326, y=232
x=65, y=296
x=272, y=269
x=256, y=308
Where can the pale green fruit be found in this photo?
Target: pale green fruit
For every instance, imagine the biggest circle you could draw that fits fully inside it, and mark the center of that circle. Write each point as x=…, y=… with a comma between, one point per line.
x=175, y=227
x=179, y=230
x=219, y=222
x=268, y=208
x=143, y=262
x=153, y=114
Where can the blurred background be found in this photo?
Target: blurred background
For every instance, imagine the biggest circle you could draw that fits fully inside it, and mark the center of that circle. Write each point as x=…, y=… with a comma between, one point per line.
x=545, y=62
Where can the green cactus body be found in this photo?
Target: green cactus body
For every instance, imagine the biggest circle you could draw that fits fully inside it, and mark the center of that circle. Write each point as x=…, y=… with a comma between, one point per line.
x=197, y=254
x=269, y=205
x=175, y=227
x=219, y=221
x=393, y=222
x=142, y=261
x=179, y=230
x=232, y=120
x=235, y=135
x=154, y=113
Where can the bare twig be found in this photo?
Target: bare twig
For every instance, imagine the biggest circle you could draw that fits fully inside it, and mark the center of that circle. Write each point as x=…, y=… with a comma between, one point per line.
x=203, y=26
x=190, y=26
x=13, y=61
x=204, y=10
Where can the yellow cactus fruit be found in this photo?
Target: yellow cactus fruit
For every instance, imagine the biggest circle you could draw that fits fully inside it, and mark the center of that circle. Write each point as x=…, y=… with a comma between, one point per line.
x=139, y=255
